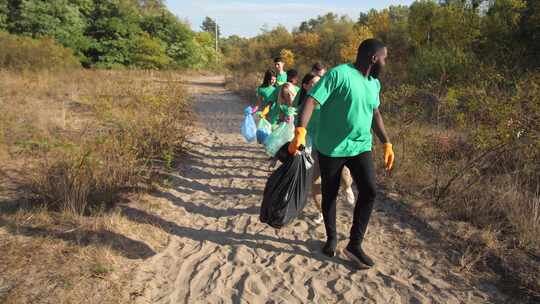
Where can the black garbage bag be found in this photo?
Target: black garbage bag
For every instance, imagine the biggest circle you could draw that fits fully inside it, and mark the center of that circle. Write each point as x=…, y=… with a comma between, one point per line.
x=286, y=190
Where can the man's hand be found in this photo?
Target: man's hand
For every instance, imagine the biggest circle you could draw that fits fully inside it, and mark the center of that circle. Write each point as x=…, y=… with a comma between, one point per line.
x=299, y=140
x=388, y=156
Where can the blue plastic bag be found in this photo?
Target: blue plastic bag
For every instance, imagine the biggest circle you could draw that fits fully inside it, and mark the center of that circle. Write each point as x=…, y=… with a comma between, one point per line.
x=264, y=129
x=248, y=128
x=279, y=137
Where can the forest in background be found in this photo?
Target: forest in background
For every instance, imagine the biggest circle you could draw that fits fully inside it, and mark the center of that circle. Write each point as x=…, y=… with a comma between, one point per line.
x=102, y=34
x=461, y=100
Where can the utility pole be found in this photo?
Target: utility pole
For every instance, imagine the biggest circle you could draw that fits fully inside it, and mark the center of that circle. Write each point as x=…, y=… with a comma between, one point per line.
x=216, y=30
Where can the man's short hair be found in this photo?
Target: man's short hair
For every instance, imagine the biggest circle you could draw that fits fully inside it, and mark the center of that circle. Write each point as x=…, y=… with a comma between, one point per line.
x=317, y=67
x=291, y=74
x=277, y=59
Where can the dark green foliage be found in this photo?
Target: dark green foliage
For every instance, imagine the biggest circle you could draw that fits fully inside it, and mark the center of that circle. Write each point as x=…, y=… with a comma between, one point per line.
x=176, y=35
x=3, y=14
x=148, y=53
x=209, y=25
x=114, y=28
x=110, y=34
x=60, y=19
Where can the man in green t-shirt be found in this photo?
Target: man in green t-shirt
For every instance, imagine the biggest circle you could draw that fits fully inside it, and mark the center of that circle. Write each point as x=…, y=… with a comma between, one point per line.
x=348, y=96
x=280, y=71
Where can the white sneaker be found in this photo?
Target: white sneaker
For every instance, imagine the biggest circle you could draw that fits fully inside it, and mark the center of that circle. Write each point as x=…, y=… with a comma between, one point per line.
x=319, y=219
x=349, y=196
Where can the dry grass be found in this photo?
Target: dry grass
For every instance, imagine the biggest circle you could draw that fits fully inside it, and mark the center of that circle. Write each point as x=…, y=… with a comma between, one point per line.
x=243, y=84
x=73, y=146
x=53, y=257
x=75, y=140
x=491, y=218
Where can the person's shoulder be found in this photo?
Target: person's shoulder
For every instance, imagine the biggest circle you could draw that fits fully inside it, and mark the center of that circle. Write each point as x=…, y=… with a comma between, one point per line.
x=338, y=71
x=346, y=67
x=376, y=81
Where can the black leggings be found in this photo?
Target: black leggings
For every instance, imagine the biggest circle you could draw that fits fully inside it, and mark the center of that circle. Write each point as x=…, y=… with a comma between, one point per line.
x=363, y=174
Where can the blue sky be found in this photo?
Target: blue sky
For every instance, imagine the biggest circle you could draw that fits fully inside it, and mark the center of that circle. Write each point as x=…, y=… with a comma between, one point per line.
x=246, y=18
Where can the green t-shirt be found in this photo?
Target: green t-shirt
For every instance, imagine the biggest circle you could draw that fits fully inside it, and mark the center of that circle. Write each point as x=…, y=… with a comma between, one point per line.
x=275, y=110
x=347, y=100
x=265, y=93
x=281, y=78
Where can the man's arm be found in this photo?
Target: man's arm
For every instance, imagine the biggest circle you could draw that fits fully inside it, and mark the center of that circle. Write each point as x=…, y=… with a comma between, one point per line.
x=300, y=131
x=378, y=127
x=309, y=106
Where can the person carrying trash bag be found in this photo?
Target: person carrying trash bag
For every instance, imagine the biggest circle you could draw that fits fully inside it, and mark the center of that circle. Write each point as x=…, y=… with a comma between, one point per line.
x=264, y=92
x=283, y=95
x=266, y=89
x=308, y=82
x=348, y=96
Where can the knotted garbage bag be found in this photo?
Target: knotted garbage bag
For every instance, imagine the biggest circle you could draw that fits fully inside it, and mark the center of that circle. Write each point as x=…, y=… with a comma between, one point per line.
x=248, y=127
x=286, y=190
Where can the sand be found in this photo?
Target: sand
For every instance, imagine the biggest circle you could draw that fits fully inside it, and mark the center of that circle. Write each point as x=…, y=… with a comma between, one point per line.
x=219, y=251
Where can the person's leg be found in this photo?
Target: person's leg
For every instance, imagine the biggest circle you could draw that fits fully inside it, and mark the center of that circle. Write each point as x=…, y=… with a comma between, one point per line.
x=316, y=187
x=363, y=173
x=330, y=178
x=346, y=184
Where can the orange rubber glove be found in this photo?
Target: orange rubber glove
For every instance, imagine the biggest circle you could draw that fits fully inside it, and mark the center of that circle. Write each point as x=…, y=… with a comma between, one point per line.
x=299, y=140
x=265, y=111
x=388, y=156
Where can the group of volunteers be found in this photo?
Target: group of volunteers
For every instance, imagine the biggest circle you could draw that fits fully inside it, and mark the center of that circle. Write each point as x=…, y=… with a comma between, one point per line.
x=337, y=110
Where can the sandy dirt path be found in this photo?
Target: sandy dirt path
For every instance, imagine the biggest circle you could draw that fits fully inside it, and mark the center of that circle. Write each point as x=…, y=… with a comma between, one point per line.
x=219, y=252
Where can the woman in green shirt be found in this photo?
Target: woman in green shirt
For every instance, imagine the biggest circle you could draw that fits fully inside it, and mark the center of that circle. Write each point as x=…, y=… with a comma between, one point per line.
x=266, y=89
x=282, y=98
x=348, y=96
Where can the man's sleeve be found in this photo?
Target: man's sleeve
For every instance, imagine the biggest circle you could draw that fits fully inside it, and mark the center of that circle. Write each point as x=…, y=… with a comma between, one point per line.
x=324, y=88
x=378, y=96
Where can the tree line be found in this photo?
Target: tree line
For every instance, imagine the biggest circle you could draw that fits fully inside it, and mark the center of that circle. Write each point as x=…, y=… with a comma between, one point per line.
x=111, y=34
x=426, y=39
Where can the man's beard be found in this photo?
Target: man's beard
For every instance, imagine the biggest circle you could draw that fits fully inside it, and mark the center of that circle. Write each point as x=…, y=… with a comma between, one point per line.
x=376, y=70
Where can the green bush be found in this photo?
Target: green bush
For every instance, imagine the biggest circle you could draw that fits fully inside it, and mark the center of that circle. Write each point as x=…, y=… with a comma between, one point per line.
x=3, y=15
x=149, y=53
x=434, y=63
x=23, y=53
